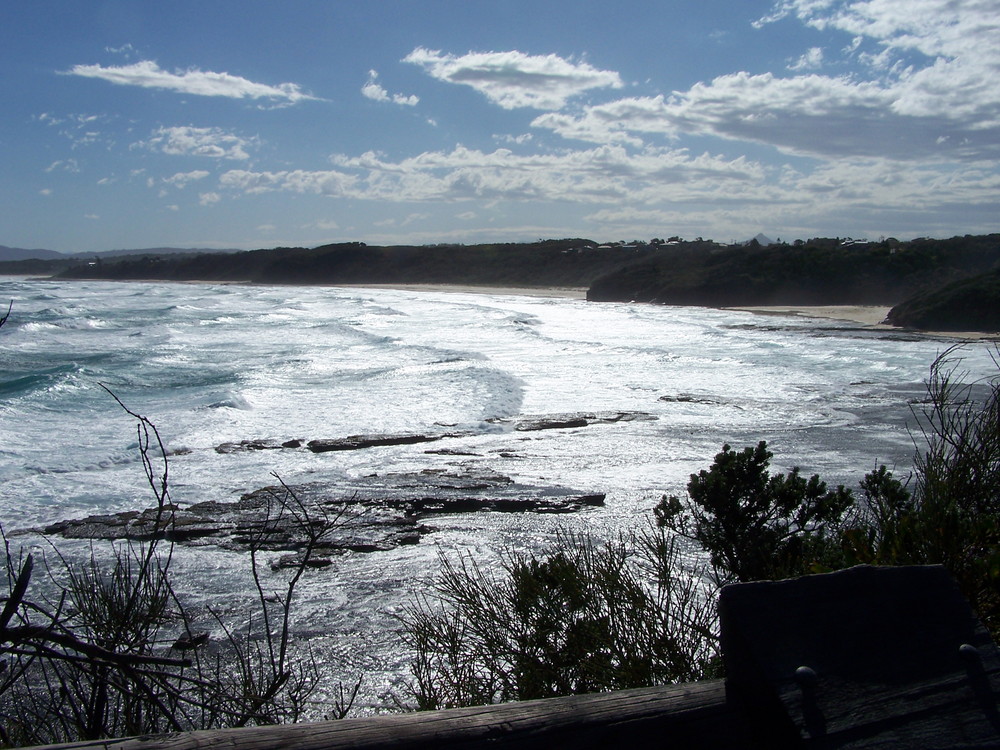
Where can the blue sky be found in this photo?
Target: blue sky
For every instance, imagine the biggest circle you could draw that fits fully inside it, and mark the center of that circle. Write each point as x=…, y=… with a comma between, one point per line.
x=129, y=124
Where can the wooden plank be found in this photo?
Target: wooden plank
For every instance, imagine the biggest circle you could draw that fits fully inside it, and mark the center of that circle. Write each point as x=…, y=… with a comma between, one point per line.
x=867, y=657
x=673, y=716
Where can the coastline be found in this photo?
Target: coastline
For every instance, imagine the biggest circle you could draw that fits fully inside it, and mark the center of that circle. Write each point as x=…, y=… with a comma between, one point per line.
x=868, y=316
x=563, y=292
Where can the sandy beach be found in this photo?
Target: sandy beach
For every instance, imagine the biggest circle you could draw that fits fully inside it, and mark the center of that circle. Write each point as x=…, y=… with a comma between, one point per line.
x=567, y=292
x=867, y=315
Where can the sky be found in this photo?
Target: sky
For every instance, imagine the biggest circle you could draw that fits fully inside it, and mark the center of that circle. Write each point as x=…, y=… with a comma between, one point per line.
x=252, y=123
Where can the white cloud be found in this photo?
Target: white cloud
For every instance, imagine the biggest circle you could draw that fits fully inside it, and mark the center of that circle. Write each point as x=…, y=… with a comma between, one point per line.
x=931, y=90
x=191, y=141
x=811, y=60
x=45, y=191
x=323, y=182
x=68, y=165
x=373, y=90
x=126, y=50
x=79, y=128
x=514, y=79
x=147, y=74
x=589, y=176
x=183, y=179
x=516, y=140
x=92, y=217
x=207, y=199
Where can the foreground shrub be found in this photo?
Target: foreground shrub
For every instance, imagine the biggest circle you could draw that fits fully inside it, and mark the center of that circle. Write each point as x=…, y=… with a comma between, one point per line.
x=587, y=617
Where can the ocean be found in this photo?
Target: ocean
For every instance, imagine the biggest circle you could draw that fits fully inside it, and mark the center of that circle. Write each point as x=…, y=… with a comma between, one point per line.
x=215, y=364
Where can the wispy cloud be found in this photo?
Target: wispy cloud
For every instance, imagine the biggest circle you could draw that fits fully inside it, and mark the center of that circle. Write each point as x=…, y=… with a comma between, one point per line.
x=126, y=50
x=811, y=60
x=214, y=143
x=587, y=176
x=68, y=165
x=183, y=179
x=147, y=74
x=373, y=90
x=514, y=79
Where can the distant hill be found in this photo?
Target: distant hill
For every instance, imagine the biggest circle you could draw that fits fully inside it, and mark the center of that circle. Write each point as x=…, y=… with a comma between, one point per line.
x=822, y=271
x=20, y=253
x=565, y=262
x=154, y=251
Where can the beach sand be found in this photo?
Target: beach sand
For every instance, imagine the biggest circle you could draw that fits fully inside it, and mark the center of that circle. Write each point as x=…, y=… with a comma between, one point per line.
x=568, y=292
x=866, y=315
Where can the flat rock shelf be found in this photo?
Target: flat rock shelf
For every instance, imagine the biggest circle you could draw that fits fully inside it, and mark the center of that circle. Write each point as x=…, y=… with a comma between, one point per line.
x=368, y=514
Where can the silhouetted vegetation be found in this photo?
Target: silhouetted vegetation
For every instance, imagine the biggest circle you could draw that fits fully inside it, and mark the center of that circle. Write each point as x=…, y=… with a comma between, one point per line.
x=817, y=272
x=587, y=617
x=756, y=526
x=566, y=262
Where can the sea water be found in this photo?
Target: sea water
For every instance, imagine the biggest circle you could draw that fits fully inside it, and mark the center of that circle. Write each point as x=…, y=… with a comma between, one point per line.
x=211, y=364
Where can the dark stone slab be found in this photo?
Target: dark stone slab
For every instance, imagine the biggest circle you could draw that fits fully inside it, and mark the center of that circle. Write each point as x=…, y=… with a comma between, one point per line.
x=357, y=442
x=573, y=420
x=528, y=423
x=372, y=513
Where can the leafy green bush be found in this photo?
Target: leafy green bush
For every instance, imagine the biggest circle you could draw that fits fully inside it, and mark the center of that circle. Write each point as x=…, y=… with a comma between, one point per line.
x=755, y=525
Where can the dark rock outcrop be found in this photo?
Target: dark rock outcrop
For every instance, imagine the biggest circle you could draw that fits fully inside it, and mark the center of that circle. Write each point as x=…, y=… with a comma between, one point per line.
x=523, y=423
x=361, y=515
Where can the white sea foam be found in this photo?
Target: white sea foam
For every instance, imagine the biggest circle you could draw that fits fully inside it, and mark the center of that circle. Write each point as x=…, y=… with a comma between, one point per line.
x=215, y=364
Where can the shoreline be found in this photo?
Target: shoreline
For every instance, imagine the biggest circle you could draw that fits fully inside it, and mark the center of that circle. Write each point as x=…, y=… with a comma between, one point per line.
x=868, y=316
x=562, y=292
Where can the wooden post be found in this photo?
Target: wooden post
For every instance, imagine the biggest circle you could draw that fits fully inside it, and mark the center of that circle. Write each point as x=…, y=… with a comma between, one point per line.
x=866, y=657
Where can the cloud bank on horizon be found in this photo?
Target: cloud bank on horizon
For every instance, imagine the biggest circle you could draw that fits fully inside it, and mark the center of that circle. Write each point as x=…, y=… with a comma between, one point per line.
x=797, y=118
